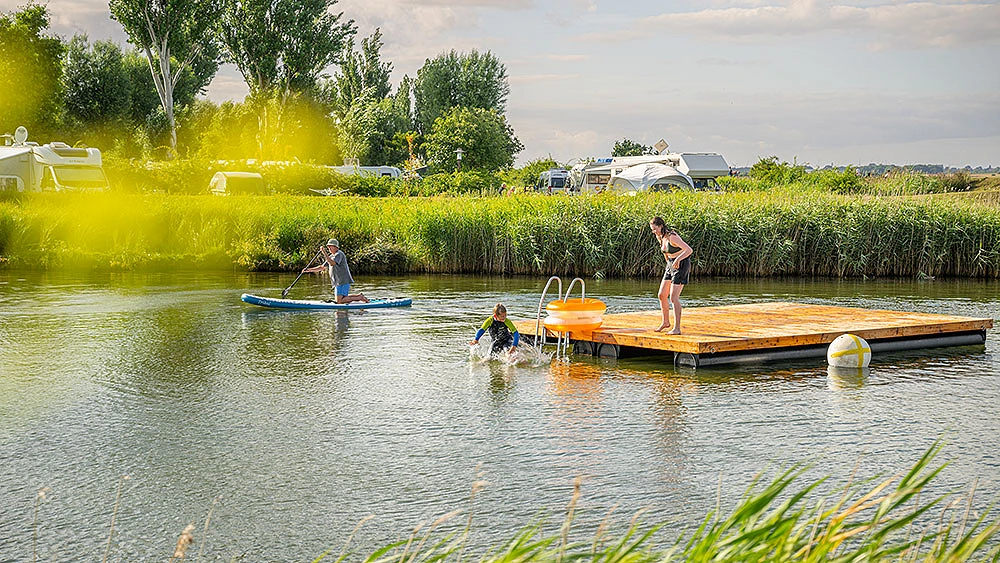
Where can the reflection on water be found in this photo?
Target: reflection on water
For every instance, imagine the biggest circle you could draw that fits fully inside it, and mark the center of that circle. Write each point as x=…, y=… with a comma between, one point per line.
x=844, y=378
x=306, y=421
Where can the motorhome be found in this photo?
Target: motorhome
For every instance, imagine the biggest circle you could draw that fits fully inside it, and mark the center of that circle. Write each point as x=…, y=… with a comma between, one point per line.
x=701, y=168
x=28, y=166
x=552, y=181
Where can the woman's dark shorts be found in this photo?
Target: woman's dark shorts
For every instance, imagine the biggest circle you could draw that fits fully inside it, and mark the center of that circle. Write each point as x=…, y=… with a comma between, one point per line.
x=680, y=275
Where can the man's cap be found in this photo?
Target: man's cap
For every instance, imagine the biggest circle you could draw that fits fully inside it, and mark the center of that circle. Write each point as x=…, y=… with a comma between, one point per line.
x=333, y=242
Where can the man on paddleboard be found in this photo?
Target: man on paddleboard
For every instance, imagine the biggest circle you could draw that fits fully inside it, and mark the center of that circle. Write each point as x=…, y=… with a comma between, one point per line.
x=340, y=272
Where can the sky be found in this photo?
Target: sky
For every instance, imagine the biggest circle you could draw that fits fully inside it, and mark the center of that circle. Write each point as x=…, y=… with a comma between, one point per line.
x=809, y=81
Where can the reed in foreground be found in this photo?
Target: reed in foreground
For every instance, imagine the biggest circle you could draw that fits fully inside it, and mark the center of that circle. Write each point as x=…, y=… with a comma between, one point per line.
x=773, y=522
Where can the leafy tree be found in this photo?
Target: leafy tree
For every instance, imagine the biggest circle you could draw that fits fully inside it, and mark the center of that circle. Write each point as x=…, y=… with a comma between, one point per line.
x=628, y=147
x=30, y=70
x=174, y=35
x=369, y=130
x=98, y=90
x=486, y=139
x=473, y=80
x=145, y=100
x=281, y=46
x=362, y=76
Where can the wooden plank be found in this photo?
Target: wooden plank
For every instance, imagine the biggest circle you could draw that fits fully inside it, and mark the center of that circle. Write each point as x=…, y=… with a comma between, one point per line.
x=757, y=326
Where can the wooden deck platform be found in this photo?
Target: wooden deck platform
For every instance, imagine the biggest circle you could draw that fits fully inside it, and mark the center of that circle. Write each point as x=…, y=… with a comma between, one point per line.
x=767, y=331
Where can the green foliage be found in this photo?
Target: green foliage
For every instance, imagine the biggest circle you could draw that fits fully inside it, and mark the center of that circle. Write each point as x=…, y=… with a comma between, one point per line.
x=732, y=234
x=31, y=91
x=770, y=172
x=282, y=46
x=97, y=85
x=362, y=76
x=781, y=521
x=527, y=176
x=472, y=80
x=368, y=130
x=174, y=35
x=628, y=147
x=486, y=139
x=960, y=181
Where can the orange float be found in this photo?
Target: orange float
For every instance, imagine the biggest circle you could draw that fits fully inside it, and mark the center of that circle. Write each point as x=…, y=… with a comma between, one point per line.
x=574, y=315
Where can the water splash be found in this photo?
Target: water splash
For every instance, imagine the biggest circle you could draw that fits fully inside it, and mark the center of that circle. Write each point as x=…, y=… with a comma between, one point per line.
x=520, y=356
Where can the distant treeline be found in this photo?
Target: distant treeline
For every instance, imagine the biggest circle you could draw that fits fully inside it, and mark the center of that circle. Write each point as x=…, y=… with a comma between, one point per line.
x=740, y=234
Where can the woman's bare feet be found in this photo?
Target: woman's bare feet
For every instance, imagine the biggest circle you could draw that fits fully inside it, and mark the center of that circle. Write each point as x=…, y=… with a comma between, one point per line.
x=662, y=327
x=675, y=331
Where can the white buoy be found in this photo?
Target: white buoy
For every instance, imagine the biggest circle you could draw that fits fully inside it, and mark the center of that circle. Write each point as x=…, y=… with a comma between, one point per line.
x=849, y=351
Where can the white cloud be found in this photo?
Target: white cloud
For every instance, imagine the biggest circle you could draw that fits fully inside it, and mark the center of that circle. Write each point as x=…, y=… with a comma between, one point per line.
x=853, y=127
x=551, y=77
x=899, y=24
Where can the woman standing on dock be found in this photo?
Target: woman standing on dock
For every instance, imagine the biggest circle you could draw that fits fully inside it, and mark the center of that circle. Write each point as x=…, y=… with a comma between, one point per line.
x=678, y=255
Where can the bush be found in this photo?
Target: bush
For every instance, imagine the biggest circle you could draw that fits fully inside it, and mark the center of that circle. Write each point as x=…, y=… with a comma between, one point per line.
x=772, y=173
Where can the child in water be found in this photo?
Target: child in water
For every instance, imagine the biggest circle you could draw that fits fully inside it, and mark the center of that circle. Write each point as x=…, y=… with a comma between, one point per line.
x=502, y=331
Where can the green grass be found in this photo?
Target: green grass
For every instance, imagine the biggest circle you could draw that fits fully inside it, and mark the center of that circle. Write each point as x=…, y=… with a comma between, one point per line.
x=770, y=233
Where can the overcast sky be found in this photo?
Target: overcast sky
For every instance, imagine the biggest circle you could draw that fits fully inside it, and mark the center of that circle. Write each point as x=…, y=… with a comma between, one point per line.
x=820, y=82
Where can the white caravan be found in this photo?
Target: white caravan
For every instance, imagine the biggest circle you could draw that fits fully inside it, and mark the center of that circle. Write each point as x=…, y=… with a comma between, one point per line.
x=701, y=168
x=27, y=166
x=380, y=171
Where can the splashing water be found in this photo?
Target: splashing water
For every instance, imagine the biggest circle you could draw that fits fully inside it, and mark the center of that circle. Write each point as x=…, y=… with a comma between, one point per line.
x=522, y=355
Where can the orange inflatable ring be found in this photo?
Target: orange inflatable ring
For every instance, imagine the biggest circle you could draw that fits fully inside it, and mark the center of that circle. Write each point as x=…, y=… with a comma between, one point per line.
x=574, y=315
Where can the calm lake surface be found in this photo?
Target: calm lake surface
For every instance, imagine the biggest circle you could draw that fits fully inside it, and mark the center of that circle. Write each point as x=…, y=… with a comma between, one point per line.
x=302, y=423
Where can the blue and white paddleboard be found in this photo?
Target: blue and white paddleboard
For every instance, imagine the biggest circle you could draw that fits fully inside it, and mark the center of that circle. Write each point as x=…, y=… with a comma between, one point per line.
x=275, y=303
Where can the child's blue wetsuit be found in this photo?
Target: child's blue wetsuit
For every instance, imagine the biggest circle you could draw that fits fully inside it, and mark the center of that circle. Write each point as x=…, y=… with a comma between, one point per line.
x=504, y=334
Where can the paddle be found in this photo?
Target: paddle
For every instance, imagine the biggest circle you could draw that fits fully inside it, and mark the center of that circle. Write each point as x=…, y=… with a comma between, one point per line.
x=289, y=288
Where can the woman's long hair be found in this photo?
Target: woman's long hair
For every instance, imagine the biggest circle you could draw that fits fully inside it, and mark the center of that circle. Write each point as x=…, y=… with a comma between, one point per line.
x=661, y=226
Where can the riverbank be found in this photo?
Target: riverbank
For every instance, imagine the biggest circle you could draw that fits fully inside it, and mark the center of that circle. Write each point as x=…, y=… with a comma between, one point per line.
x=774, y=233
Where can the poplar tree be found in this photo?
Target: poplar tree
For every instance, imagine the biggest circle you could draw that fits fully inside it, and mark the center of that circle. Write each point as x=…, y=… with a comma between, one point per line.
x=174, y=35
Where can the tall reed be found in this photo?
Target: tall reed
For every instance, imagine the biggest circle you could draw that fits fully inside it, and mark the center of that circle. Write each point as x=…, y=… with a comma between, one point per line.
x=733, y=234
x=776, y=521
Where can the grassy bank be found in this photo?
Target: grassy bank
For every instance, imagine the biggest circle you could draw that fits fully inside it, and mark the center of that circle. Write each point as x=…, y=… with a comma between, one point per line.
x=778, y=232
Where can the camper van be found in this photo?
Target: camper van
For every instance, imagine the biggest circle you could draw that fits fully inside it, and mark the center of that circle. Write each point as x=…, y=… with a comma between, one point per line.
x=553, y=181
x=695, y=170
x=27, y=166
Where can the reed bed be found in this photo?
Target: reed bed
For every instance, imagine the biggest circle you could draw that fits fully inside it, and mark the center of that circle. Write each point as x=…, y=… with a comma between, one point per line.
x=743, y=234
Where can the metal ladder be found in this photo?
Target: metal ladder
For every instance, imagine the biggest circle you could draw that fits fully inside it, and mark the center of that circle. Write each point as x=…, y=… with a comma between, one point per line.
x=562, y=338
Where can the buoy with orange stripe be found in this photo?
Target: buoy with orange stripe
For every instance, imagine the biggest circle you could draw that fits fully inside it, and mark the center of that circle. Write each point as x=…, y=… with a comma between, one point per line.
x=849, y=351
x=573, y=315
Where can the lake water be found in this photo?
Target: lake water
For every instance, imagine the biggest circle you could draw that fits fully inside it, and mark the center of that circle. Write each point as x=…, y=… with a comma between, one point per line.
x=302, y=423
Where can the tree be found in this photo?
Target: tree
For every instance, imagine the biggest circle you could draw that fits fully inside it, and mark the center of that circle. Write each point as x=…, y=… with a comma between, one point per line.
x=370, y=131
x=474, y=80
x=30, y=70
x=628, y=147
x=98, y=89
x=174, y=35
x=486, y=139
x=281, y=46
x=362, y=75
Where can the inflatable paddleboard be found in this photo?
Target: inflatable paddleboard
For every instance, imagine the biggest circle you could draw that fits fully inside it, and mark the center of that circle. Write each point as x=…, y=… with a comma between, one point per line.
x=275, y=303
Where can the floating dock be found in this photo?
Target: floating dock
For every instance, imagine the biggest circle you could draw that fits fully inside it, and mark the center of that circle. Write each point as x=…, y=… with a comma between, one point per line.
x=768, y=331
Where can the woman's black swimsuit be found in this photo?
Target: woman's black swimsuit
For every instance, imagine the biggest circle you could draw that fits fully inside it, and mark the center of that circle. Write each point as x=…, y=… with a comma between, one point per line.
x=678, y=273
